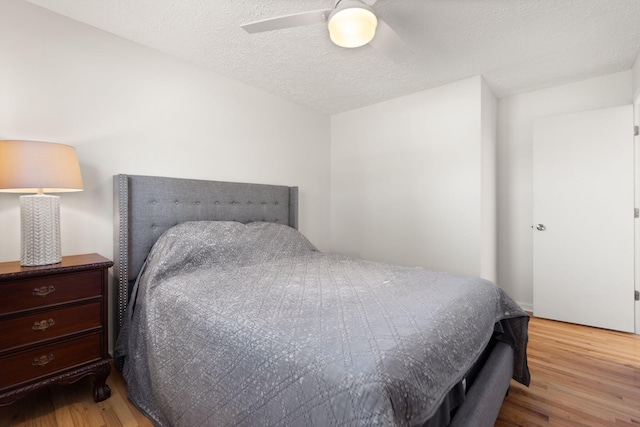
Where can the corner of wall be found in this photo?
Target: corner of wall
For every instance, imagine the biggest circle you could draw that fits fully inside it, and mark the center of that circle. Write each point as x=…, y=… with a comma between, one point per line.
x=489, y=190
x=635, y=72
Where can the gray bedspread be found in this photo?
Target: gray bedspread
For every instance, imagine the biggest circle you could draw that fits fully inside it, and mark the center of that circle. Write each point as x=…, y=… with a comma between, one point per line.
x=249, y=325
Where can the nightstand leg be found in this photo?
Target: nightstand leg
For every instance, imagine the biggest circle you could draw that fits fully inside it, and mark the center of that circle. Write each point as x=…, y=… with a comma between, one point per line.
x=101, y=390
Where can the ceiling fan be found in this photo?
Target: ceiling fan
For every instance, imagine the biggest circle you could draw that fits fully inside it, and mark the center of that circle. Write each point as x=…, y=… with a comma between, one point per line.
x=351, y=24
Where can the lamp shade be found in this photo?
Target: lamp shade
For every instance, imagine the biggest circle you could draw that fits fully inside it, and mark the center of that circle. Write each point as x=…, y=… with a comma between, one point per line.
x=37, y=167
x=352, y=24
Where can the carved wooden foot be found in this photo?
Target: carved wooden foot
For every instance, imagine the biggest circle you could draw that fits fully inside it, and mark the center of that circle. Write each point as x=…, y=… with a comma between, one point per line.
x=101, y=390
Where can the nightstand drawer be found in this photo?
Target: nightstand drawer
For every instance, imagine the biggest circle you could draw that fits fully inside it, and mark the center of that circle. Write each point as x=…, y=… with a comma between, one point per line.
x=49, y=324
x=33, y=364
x=54, y=289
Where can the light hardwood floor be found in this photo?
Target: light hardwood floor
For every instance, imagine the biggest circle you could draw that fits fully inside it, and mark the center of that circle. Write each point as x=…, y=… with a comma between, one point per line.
x=581, y=376
x=73, y=406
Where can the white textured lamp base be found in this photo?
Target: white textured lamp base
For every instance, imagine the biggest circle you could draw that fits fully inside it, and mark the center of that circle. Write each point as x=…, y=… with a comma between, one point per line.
x=40, y=228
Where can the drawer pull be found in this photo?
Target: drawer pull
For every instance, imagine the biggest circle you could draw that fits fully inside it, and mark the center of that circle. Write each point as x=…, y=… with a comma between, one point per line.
x=42, y=360
x=43, y=325
x=43, y=291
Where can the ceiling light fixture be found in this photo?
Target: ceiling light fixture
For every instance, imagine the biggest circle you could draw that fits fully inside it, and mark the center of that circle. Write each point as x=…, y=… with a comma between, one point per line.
x=352, y=24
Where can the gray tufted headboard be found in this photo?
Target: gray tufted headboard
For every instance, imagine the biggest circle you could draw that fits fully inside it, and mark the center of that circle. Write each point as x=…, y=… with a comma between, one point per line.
x=146, y=206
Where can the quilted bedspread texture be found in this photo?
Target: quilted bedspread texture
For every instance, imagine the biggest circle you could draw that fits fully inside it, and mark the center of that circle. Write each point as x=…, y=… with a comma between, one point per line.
x=250, y=325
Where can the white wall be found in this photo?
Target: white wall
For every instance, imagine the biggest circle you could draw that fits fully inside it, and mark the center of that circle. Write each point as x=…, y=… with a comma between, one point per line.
x=129, y=109
x=515, y=179
x=406, y=179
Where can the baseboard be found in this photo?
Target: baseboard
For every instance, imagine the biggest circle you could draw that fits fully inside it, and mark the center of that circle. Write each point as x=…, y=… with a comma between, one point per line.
x=528, y=307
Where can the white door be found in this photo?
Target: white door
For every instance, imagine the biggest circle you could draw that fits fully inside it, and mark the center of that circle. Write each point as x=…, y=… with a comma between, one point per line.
x=583, y=218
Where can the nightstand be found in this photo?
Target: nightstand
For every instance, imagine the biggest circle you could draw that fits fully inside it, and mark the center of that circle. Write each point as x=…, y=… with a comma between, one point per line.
x=53, y=325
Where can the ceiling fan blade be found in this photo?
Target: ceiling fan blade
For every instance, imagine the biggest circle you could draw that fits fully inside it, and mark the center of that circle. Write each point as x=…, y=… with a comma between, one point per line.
x=287, y=21
x=388, y=42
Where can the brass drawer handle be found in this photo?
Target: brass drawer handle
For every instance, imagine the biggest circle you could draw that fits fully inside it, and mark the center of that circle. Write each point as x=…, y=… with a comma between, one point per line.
x=42, y=360
x=43, y=325
x=43, y=291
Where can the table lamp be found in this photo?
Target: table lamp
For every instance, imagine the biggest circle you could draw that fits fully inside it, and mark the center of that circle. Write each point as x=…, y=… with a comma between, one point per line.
x=39, y=167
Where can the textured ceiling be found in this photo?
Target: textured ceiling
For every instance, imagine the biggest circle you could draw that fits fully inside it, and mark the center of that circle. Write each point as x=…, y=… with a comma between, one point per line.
x=517, y=45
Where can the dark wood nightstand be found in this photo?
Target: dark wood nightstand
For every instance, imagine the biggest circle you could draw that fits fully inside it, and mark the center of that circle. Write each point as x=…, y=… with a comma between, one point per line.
x=53, y=325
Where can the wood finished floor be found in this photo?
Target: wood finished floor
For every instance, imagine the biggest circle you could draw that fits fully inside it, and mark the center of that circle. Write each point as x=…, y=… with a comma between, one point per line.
x=581, y=376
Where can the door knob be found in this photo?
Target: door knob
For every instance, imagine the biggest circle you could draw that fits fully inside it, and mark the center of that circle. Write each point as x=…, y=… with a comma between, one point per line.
x=540, y=227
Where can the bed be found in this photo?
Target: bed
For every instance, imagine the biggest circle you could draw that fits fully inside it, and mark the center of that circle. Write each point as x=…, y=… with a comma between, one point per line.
x=237, y=319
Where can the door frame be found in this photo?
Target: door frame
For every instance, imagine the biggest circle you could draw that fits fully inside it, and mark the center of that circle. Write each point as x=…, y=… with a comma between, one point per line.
x=636, y=150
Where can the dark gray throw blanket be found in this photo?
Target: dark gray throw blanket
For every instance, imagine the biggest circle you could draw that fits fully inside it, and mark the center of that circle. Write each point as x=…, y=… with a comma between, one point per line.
x=249, y=325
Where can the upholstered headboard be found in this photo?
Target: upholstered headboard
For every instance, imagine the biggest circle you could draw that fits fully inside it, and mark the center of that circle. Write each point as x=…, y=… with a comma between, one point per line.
x=146, y=206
